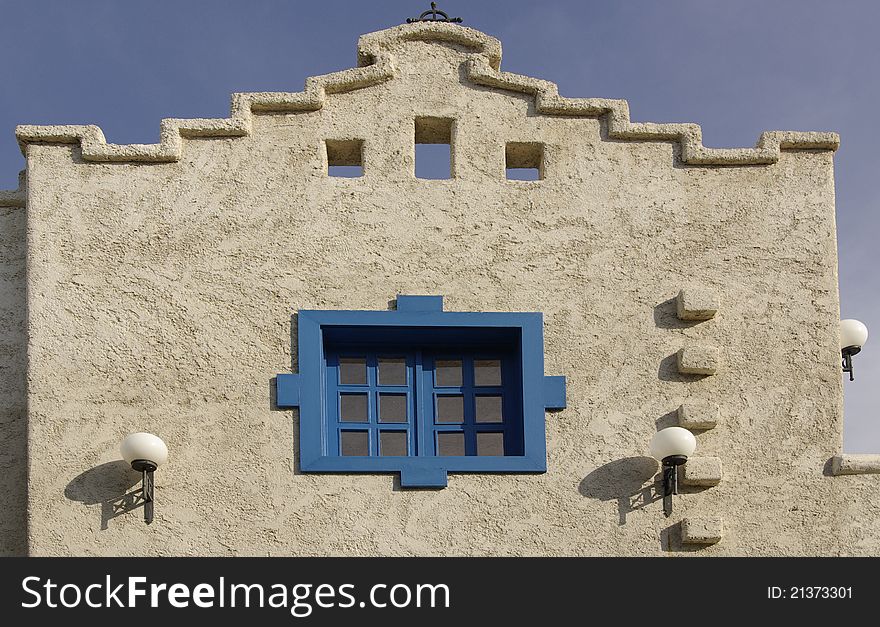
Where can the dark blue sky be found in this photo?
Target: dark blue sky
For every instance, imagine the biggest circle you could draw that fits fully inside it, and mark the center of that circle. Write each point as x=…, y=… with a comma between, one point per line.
x=737, y=67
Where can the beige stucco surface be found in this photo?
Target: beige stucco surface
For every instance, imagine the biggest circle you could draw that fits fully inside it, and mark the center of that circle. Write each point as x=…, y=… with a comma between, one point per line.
x=163, y=281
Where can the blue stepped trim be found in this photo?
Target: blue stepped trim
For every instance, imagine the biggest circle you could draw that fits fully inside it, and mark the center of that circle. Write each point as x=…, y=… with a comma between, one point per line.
x=423, y=478
x=554, y=392
x=419, y=303
x=287, y=390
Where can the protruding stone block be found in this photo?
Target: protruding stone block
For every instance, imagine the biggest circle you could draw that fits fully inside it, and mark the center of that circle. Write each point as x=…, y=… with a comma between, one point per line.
x=702, y=530
x=702, y=471
x=694, y=303
x=848, y=464
x=698, y=360
x=696, y=415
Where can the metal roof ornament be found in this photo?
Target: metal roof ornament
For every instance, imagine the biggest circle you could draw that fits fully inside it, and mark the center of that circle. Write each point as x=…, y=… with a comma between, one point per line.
x=434, y=15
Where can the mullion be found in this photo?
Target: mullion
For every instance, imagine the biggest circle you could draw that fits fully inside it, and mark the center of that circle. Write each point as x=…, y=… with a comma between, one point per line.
x=469, y=401
x=421, y=416
x=332, y=400
x=411, y=415
x=373, y=412
x=430, y=376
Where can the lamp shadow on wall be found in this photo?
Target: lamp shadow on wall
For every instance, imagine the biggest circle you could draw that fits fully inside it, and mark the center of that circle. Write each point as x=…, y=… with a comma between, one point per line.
x=107, y=485
x=632, y=481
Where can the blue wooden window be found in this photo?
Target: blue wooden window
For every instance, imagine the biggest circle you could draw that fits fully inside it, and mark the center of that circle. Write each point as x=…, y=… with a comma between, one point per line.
x=421, y=391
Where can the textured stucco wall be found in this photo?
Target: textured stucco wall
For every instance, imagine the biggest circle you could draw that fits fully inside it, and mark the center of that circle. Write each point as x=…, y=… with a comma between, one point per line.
x=161, y=298
x=13, y=357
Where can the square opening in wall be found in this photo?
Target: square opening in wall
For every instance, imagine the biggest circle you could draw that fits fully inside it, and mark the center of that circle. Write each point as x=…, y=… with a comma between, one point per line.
x=524, y=161
x=433, y=139
x=345, y=157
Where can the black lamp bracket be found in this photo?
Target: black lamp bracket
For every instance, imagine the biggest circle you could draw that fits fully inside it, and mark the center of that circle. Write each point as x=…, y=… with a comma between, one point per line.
x=146, y=467
x=670, y=480
x=847, y=354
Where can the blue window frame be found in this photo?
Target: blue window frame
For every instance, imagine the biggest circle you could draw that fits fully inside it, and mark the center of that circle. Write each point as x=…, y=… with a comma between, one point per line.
x=421, y=391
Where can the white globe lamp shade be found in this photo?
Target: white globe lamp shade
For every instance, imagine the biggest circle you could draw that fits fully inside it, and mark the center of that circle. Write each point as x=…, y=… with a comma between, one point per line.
x=145, y=446
x=852, y=334
x=672, y=441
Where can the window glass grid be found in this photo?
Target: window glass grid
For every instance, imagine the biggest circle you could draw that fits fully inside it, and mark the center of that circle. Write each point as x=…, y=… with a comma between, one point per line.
x=421, y=427
x=339, y=443
x=468, y=391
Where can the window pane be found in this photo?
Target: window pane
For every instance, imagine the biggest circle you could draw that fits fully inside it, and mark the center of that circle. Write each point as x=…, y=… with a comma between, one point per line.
x=448, y=372
x=487, y=372
x=450, y=409
x=490, y=444
x=392, y=408
x=353, y=408
x=450, y=444
x=354, y=443
x=392, y=443
x=352, y=371
x=392, y=371
x=489, y=409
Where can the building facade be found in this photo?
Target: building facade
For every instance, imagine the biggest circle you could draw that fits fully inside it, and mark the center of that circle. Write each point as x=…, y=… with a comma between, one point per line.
x=180, y=288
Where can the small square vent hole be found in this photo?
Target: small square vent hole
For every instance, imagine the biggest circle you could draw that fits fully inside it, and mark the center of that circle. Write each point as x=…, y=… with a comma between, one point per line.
x=345, y=157
x=524, y=161
x=433, y=148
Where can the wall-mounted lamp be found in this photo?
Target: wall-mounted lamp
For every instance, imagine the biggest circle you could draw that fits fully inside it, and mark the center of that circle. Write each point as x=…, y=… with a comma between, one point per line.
x=672, y=446
x=145, y=452
x=853, y=335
